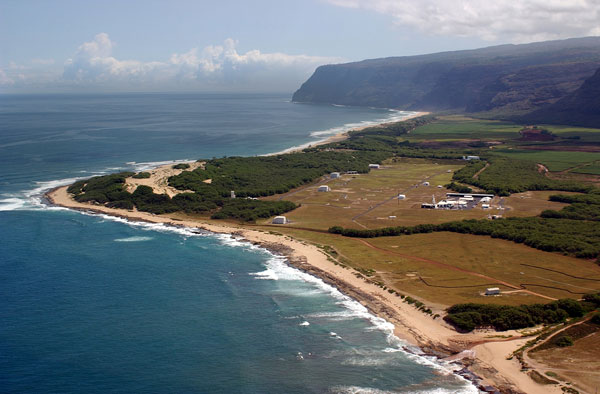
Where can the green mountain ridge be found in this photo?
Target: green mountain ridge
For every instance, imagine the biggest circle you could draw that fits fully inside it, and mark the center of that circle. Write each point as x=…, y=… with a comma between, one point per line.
x=506, y=81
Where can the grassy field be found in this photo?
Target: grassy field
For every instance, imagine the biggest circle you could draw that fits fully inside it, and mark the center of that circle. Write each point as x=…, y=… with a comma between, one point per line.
x=554, y=160
x=367, y=200
x=460, y=127
x=444, y=268
x=592, y=169
x=584, y=134
x=579, y=363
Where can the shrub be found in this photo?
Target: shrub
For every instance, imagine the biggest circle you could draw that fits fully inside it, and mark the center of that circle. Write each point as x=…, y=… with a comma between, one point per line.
x=141, y=175
x=564, y=341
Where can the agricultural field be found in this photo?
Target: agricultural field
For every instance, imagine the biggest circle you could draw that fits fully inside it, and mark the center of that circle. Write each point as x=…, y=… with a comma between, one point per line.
x=553, y=160
x=581, y=133
x=461, y=127
x=591, y=169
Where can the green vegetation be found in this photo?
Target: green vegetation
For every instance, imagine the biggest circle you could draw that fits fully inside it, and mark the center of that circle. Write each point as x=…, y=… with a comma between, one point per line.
x=583, y=207
x=141, y=175
x=554, y=160
x=268, y=175
x=458, y=188
x=250, y=210
x=505, y=176
x=181, y=166
x=564, y=341
x=461, y=128
x=595, y=319
x=109, y=190
x=592, y=169
x=467, y=317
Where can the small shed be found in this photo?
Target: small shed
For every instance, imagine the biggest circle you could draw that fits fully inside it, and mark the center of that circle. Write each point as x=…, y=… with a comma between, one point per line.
x=374, y=166
x=401, y=196
x=323, y=188
x=425, y=183
x=334, y=175
x=485, y=206
x=279, y=220
x=232, y=194
x=492, y=291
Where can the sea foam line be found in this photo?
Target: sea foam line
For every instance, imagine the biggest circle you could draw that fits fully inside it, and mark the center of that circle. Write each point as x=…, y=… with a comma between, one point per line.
x=323, y=135
x=278, y=269
x=32, y=199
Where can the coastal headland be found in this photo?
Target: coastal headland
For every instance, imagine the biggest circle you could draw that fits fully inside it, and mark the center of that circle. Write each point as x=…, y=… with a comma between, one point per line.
x=487, y=356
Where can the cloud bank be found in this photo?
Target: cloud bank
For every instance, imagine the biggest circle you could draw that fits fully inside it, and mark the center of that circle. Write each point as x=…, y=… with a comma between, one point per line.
x=514, y=20
x=215, y=67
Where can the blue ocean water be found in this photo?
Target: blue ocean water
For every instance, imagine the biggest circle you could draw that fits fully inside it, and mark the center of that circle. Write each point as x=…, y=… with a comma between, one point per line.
x=93, y=304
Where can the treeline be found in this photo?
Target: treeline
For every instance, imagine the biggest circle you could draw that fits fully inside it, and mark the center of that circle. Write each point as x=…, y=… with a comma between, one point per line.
x=109, y=190
x=251, y=210
x=467, y=317
x=505, y=176
x=578, y=238
x=583, y=207
x=268, y=175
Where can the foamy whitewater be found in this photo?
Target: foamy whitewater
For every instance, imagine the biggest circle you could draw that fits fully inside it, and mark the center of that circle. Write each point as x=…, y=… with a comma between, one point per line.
x=94, y=303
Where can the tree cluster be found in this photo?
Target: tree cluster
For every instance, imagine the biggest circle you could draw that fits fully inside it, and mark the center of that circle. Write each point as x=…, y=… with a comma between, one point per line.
x=467, y=317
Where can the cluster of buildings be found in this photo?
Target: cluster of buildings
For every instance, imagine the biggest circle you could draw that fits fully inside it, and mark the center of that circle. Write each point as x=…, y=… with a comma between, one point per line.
x=460, y=201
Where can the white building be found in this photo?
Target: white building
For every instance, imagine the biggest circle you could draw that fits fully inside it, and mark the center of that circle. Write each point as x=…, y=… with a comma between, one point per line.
x=425, y=183
x=232, y=194
x=323, y=188
x=485, y=206
x=279, y=220
x=334, y=175
x=471, y=158
x=492, y=291
x=374, y=166
x=401, y=197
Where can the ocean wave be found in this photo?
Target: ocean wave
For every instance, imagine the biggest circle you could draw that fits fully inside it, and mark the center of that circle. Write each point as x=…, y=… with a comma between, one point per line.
x=134, y=239
x=322, y=135
x=149, y=165
x=372, y=390
x=32, y=199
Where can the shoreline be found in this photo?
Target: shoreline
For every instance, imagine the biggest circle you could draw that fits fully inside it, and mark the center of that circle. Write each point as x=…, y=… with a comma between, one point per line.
x=343, y=135
x=483, y=360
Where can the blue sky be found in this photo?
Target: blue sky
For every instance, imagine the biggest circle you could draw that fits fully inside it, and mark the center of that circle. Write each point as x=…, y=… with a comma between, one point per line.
x=252, y=45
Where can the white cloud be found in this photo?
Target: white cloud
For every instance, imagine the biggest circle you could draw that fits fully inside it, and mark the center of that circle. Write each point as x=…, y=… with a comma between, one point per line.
x=42, y=62
x=4, y=79
x=212, y=67
x=514, y=20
